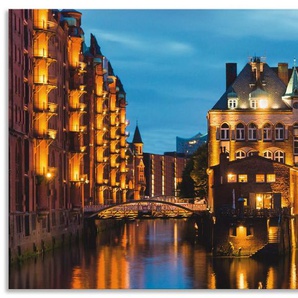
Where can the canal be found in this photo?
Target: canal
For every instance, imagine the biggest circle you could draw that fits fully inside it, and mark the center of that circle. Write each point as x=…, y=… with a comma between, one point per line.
x=149, y=254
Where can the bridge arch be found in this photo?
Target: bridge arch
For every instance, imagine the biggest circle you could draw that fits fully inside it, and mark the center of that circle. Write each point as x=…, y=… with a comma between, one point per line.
x=144, y=208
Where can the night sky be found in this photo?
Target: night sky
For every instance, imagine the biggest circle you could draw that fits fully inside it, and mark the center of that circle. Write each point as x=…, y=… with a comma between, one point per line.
x=172, y=61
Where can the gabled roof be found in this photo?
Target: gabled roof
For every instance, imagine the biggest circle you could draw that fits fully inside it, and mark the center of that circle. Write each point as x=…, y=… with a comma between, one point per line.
x=245, y=84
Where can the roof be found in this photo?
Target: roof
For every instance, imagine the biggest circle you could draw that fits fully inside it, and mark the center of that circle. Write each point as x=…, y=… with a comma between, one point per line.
x=245, y=86
x=292, y=88
x=137, y=136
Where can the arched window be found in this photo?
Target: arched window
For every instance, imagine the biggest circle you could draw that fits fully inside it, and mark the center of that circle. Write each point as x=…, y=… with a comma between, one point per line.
x=267, y=132
x=240, y=132
x=225, y=132
x=240, y=154
x=279, y=132
x=279, y=156
x=268, y=154
x=252, y=132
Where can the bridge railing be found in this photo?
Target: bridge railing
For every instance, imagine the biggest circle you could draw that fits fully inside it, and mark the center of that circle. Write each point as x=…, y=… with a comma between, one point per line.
x=94, y=208
x=194, y=207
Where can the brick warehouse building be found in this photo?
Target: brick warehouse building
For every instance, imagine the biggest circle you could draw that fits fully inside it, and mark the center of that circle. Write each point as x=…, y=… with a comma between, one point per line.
x=256, y=114
x=252, y=143
x=163, y=173
x=67, y=129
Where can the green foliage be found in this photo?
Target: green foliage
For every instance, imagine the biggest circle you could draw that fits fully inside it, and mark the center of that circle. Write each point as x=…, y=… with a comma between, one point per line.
x=186, y=186
x=199, y=171
x=195, y=179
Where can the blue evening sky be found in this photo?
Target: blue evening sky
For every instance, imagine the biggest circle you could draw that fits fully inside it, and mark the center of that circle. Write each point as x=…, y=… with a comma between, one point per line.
x=172, y=61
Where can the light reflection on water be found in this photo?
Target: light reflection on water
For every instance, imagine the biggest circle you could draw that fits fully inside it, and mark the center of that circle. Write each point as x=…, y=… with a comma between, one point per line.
x=149, y=254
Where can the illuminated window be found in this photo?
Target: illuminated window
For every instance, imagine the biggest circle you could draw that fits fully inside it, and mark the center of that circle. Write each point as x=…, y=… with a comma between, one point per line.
x=259, y=201
x=240, y=132
x=252, y=132
x=279, y=132
x=263, y=103
x=267, y=201
x=270, y=178
x=268, y=154
x=232, y=178
x=232, y=103
x=267, y=132
x=279, y=156
x=242, y=178
x=225, y=132
x=260, y=178
x=253, y=103
x=240, y=154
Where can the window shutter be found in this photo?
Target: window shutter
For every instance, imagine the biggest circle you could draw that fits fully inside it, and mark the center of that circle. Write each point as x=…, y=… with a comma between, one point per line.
x=217, y=133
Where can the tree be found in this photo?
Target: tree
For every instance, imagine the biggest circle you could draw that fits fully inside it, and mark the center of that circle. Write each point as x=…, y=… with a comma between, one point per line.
x=199, y=171
x=194, y=178
x=186, y=186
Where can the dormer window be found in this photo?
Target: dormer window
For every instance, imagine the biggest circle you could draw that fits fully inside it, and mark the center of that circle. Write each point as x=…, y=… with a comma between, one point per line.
x=232, y=100
x=258, y=99
x=232, y=103
x=253, y=103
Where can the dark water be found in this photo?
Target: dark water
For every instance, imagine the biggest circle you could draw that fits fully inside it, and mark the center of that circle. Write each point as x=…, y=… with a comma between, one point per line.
x=149, y=254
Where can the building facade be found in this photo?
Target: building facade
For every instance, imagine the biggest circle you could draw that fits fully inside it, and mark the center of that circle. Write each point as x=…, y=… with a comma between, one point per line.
x=67, y=129
x=163, y=173
x=257, y=114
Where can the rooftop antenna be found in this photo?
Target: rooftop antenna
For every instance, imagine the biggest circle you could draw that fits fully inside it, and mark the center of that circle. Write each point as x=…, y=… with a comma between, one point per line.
x=294, y=62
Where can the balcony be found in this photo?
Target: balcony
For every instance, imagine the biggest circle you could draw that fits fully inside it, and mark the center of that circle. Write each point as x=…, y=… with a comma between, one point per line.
x=49, y=107
x=45, y=80
x=43, y=53
x=45, y=26
x=80, y=107
x=82, y=67
x=49, y=134
x=78, y=128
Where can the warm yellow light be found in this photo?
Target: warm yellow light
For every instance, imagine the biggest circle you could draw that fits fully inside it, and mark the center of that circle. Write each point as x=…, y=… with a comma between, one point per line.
x=263, y=103
x=48, y=175
x=259, y=198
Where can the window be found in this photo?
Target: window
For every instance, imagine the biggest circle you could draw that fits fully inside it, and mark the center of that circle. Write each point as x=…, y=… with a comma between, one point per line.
x=232, y=178
x=270, y=178
x=242, y=178
x=224, y=132
x=267, y=132
x=240, y=132
x=232, y=103
x=240, y=154
x=279, y=156
x=260, y=178
x=268, y=154
x=253, y=103
x=296, y=146
x=263, y=103
x=295, y=142
x=252, y=132
x=279, y=132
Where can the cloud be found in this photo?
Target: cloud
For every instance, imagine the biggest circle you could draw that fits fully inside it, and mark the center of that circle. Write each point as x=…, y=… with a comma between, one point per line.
x=133, y=42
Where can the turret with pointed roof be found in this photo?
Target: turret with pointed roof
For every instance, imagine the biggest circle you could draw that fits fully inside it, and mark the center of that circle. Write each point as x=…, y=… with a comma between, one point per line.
x=137, y=139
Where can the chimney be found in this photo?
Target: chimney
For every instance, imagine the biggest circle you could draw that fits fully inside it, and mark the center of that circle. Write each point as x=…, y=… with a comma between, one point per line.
x=231, y=74
x=283, y=72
